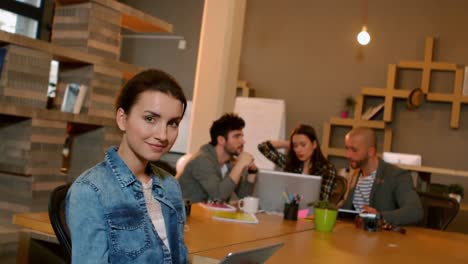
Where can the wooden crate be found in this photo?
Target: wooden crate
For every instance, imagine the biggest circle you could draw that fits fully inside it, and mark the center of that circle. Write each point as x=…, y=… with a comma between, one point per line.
x=89, y=27
x=103, y=85
x=112, y=137
x=25, y=76
x=31, y=147
x=73, y=74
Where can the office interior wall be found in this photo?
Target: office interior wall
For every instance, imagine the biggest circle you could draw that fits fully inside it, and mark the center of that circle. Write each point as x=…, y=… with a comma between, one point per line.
x=306, y=53
x=186, y=17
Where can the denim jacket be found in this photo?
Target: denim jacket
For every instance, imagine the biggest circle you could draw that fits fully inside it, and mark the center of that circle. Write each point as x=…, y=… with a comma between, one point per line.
x=108, y=221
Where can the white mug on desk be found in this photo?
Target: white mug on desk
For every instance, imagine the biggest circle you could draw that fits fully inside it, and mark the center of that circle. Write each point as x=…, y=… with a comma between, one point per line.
x=248, y=205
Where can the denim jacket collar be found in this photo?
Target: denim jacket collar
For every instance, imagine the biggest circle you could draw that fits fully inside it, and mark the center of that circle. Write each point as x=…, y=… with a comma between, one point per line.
x=124, y=175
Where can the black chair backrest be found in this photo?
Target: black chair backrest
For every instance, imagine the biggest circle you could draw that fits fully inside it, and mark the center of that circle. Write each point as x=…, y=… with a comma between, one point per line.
x=341, y=185
x=439, y=210
x=57, y=218
x=165, y=166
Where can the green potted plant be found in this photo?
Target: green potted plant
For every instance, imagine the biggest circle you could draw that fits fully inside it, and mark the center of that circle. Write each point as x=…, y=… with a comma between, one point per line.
x=456, y=191
x=325, y=214
x=349, y=104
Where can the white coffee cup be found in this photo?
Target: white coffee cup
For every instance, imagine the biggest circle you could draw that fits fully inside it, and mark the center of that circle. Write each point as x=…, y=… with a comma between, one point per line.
x=248, y=205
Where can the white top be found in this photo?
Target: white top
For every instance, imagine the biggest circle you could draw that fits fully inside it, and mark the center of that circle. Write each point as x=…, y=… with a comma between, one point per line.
x=363, y=190
x=154, y=211
x=224, y=170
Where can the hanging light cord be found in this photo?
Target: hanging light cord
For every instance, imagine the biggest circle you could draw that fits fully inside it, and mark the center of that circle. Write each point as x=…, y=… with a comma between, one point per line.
x=365, y=12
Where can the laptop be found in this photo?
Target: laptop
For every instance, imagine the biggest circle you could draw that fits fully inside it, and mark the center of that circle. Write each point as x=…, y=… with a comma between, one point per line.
x=271, y=185
x=251, y=256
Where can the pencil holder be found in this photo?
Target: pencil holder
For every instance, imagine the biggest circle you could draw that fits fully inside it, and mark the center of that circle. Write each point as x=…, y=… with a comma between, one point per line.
x=290, y=211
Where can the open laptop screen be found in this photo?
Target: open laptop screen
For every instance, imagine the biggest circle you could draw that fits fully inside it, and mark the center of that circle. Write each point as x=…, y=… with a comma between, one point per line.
x=271, y=185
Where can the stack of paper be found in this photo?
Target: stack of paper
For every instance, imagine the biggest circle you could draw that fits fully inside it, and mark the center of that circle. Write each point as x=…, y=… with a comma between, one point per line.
x=237, y=217
x=219, y=207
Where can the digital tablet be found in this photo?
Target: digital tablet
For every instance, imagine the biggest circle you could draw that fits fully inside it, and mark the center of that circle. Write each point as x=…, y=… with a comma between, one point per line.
x=345, y=214
x=251, y=256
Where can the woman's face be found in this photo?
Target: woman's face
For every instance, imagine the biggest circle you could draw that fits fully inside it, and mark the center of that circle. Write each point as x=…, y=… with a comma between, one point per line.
x=303, y=147
x=151, y=127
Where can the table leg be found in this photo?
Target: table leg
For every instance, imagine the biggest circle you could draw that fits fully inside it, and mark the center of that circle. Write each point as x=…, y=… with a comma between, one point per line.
x=22, y=256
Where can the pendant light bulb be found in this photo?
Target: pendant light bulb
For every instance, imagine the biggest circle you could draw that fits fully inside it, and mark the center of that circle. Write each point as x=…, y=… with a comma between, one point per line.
x=363, y=37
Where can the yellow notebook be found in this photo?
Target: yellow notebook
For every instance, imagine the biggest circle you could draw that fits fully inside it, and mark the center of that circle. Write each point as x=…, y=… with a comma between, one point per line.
x=235, y=217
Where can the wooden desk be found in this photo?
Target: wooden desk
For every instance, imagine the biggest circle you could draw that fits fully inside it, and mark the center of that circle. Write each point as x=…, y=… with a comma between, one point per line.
x=204, y=233
x=347, y=244
x=215, y=239
x=200, y=227
x=38, y=222
x=426, y=169
x=425, y=172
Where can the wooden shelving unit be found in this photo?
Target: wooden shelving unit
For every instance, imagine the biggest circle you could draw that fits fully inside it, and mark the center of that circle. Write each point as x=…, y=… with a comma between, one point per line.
x=31, y=112
x=132, y=18
x=388, y=93
x=64, y=54
x=33, y=137
x=456, y=99
x=244, y=90
x=357, y=121
x=427, y=65
x=391, y=92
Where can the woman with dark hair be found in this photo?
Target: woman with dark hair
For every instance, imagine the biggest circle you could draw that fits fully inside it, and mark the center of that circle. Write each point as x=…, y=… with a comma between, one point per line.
x=303, y=156
x=125, y=209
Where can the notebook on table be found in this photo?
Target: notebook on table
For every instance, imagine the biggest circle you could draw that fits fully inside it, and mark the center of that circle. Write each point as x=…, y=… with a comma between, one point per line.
x=271, y=184
x=237, y=217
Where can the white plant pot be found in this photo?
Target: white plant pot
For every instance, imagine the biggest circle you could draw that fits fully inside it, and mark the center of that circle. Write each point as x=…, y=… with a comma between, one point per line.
x=455, y=196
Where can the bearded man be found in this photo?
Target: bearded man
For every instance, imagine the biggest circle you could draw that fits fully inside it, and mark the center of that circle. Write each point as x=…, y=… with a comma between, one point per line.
x=376, y=186
x=221, y=170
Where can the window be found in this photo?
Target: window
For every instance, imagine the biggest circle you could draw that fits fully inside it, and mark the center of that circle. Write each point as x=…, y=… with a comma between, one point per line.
x=18, y=24
x=35, y=3
x=21, y=16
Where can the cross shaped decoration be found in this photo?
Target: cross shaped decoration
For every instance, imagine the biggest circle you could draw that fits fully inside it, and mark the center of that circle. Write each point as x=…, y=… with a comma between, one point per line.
x=328, y=150
x=357, y=121
x=388, y=93
x=457, y=98
x=427, y=65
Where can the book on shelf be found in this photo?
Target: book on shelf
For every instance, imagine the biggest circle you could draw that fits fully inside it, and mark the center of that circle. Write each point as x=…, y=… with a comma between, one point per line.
x=215, y=206
x=3, y=53
x=372, y=111
x=73, y=98
x=237, y=217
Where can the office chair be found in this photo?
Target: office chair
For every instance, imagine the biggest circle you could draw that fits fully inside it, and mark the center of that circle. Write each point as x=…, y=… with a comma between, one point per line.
x=165, y=166
x=439, y=210
x=180, y=164
x=341, y=185
x=57, y=218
